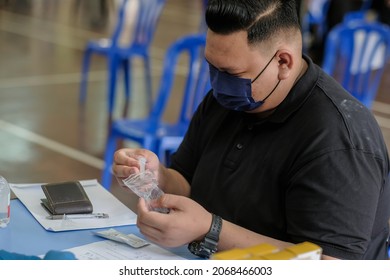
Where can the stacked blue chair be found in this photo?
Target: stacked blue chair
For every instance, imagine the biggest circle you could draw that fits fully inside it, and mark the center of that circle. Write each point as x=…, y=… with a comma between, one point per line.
x=356, y=53
x=315, y=22
x=169, y=143
x=354, y=16
x=150, y=131
x=119, y=57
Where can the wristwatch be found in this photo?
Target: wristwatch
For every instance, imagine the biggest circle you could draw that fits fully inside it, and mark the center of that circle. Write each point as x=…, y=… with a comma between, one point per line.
x=208, y=246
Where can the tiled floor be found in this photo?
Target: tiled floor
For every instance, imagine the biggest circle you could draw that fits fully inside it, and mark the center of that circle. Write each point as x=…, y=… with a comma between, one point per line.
x=45, y=136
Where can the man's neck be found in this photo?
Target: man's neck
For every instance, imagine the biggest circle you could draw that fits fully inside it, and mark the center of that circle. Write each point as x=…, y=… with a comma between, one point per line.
x=302, y=71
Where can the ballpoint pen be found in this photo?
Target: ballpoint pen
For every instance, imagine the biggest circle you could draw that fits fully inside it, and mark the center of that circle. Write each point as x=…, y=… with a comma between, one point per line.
x=78, y=216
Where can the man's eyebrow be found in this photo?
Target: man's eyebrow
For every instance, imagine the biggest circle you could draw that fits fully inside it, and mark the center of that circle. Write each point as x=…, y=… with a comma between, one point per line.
x=223, y=69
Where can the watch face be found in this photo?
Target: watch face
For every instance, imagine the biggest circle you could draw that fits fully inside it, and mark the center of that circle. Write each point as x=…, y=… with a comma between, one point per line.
x=199, y=250
x=208, y=245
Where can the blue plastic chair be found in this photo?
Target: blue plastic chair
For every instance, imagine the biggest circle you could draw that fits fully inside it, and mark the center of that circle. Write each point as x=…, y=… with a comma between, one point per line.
x=203, y=26
x=168, y=145
x=355, y=54
x=315, y=23
x=149, y=131
x=354, y=16
x=360, y=15
x=119, y=56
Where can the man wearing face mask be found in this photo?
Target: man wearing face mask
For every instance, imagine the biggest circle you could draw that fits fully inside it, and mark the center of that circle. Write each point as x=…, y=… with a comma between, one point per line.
x=276, y=153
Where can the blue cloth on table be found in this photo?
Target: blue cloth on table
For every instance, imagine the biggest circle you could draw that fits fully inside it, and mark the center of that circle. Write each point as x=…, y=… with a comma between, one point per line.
x=51, y=255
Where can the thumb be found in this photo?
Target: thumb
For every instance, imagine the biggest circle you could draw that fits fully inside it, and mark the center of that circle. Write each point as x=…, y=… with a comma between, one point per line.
x=171, y=201
x=142, y=205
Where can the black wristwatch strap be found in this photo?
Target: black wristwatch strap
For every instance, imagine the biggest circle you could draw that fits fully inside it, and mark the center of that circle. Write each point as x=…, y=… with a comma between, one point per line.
x=212, y=237
x=208, y=246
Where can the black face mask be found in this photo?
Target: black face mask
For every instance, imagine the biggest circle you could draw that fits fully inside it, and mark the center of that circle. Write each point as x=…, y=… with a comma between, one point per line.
x=235, y=93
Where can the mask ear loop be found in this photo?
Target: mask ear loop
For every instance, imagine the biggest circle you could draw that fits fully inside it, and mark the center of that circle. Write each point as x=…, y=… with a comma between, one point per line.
x=271, y=92
x=264, y=68
x=262, y=101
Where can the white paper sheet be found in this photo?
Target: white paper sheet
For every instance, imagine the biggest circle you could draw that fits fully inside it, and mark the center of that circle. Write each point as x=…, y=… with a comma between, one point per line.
x=111, y=250
x=102, y=200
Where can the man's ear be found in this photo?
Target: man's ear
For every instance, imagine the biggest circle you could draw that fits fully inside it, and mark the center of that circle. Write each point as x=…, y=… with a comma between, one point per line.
x=286, y=62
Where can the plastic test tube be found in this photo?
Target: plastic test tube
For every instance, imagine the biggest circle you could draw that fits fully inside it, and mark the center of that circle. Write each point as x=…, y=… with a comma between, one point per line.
x=142, y=163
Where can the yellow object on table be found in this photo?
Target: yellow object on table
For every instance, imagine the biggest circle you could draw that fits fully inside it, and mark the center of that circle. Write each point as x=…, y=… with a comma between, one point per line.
x=301, y=251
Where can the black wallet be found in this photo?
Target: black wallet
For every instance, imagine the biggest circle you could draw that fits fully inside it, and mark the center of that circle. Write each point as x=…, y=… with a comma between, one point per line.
x=66, y=198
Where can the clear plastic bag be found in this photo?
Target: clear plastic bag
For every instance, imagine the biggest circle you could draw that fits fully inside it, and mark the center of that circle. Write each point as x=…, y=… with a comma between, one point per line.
x=144, y=184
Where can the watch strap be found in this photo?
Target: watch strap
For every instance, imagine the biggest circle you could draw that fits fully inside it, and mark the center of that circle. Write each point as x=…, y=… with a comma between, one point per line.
x=208, y=246
x=212, y=237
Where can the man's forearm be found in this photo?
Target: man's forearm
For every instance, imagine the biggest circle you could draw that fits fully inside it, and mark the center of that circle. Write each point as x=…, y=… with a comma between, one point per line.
x=171, y=181
x=233, y=236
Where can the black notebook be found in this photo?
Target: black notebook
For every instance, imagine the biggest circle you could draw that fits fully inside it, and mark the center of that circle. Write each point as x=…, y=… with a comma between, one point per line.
x=66, y=198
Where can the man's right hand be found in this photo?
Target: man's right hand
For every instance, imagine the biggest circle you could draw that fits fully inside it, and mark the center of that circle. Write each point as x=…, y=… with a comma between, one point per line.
x=126, y=162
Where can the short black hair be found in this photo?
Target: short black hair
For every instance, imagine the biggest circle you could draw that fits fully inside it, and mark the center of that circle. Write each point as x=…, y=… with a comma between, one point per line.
x=260, y=18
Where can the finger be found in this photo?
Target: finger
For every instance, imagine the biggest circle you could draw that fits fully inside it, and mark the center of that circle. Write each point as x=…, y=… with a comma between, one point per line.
x=125, y=163
x=145, y=215
x=125, y=157
x=172, y=201
x=146, y=222
x=149, y=237
x=142, y=206
x=151, y=159
x=150, y=232
x=123, y=171
x=150, y=218
x=121, y=156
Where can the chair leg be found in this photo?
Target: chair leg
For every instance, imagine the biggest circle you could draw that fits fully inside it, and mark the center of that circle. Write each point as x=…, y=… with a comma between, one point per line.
x=108, y=161
x=148, y=81
x=112, y=79
x=84, y=76
x=127, y=79
x=150, y=143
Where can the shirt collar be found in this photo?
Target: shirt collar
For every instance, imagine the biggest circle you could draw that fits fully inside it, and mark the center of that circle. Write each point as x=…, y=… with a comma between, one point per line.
x=296, y=97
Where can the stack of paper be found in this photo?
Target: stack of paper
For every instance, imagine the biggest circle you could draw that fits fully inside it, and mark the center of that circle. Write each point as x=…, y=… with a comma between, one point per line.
x=102, y=200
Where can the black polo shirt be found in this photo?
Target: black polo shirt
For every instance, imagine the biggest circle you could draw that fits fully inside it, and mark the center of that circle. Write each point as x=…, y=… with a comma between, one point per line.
x=315, y=170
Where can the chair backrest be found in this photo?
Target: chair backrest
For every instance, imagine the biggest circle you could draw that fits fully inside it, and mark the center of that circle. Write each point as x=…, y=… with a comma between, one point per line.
x=355, y=54
x=359, y=15
x=197, y=78
x=318, y=11
x=316, y=16
x=147, y=15
x=353, y=16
